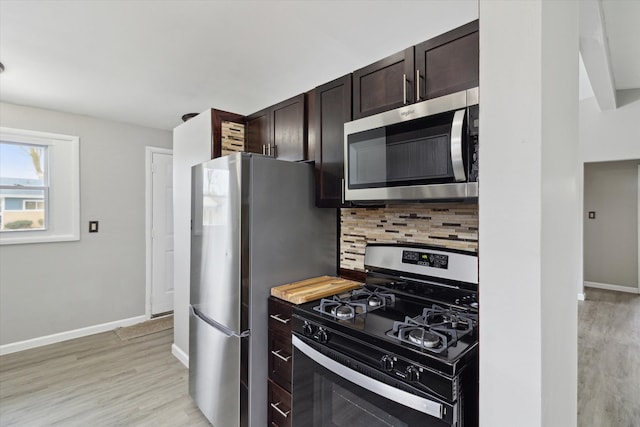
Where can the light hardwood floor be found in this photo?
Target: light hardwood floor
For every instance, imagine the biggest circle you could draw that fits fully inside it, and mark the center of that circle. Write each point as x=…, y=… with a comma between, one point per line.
x=102, y=381
x=97, y=380
x=609, y=359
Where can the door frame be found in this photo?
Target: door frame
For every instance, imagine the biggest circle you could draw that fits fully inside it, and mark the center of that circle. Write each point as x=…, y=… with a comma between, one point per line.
x=148, y=197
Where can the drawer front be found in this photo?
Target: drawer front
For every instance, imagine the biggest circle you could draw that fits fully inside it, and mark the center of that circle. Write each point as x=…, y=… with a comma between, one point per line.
x=279, y=406
x=280, y=316
x=280, y=359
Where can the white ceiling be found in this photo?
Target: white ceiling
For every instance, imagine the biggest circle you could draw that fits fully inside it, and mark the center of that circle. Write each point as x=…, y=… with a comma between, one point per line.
x=148, y=62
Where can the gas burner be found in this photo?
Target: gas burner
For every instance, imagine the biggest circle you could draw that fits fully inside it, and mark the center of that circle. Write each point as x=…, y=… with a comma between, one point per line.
x=343, y=311
x=373, y=297
x=359, y=301
x=435, y=330
x=445, y=319
x=423, y=338
x=375, y=301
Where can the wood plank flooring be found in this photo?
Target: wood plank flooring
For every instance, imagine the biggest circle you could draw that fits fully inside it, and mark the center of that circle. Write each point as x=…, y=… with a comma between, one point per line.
x=609, y=359
x=102, y=381
x=97, y=380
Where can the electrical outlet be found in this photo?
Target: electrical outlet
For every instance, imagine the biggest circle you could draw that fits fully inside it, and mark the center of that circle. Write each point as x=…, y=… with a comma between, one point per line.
x=93, y=226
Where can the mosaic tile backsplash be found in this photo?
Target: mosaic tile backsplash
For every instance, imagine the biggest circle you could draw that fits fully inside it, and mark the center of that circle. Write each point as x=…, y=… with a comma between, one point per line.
x=452, y=226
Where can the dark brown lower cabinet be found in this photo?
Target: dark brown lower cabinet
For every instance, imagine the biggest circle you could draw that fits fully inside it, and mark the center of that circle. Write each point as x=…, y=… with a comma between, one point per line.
x=279, y=406
x=280, y=362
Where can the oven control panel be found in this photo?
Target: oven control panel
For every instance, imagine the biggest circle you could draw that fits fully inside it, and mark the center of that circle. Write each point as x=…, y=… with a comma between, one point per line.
x=427, y=259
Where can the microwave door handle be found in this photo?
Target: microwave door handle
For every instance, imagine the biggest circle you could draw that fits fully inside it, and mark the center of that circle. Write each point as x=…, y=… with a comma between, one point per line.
x=404, y=89
x=457, y=161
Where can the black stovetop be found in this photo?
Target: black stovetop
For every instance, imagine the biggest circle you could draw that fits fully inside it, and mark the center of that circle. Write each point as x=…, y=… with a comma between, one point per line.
x=372, y=328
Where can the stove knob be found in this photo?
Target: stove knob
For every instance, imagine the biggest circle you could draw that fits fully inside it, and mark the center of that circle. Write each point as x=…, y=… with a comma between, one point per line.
x=413, y=374
x=321, y=336
x=307, y=329
x=386, y=362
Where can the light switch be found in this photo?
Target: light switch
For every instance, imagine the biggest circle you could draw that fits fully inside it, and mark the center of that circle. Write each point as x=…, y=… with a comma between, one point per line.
x=592, y=215
x=93, y=226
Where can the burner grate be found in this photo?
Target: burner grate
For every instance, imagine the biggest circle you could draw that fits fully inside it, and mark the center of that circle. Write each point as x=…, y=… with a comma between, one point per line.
x=435, y=330
x=359, y=301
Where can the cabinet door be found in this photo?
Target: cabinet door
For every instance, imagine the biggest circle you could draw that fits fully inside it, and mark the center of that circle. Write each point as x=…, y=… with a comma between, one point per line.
x=279, y=406
x=384, y=85
x=332, y=111
x=258, y=131
x=449, y=63
x=289, y=129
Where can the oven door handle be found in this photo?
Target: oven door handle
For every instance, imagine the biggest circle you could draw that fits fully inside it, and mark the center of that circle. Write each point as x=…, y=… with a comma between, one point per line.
x=402, y=397
x=457, y=160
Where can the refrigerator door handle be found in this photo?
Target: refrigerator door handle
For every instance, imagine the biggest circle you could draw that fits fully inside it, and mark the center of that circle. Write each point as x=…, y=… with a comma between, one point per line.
x=228, y=332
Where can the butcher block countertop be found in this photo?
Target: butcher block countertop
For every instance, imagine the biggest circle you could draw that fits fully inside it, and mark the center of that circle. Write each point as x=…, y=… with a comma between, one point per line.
x=313, y=289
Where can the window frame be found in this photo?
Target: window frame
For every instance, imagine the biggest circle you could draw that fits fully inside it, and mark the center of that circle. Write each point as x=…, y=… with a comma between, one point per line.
x=63, y=199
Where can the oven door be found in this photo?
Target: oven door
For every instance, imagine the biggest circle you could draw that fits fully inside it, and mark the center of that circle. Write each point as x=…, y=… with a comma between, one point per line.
x=327, y=393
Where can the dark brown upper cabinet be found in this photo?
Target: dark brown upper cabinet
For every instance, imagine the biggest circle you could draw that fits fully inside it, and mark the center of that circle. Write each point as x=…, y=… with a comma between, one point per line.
x=445, y=64
x=331, y=111
x=448, y=63
x=384, y=85
x=217, y=117
x=280, y=130
x=258, y=131
x=289, y=129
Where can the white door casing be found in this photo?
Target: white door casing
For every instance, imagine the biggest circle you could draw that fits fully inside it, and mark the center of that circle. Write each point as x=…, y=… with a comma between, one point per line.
x=159, y=231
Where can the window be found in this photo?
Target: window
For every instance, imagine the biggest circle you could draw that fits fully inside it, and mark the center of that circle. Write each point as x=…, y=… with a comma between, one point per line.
x=39, y=187
x=24, y=186
x=34, y=205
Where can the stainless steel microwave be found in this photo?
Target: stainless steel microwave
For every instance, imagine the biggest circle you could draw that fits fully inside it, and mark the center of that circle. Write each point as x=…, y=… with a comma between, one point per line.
x=426, y=151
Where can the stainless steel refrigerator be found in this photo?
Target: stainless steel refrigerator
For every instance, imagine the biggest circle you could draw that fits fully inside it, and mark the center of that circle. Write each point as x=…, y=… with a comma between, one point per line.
x=254, y=226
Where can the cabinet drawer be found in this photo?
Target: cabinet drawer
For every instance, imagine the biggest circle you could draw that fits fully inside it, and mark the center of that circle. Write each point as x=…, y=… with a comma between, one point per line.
x=280, y=316
x=279, y=406
x=280, y=359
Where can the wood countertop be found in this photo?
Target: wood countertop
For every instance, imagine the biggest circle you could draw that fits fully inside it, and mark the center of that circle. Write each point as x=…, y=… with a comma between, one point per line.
x=313, y=289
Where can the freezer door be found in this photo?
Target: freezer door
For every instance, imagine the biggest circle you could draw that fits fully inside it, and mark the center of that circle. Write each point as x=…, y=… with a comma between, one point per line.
x=214, y=372
x=215, y=240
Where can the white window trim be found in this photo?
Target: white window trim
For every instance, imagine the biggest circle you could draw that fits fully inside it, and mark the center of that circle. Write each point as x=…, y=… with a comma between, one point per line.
x=64, y=187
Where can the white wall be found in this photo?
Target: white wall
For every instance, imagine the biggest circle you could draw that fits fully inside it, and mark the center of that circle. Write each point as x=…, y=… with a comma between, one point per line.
x=527, y=208
x=606, y=136
x=51, y=288
x=611, y=238
x=192, y=144
x=612, y=134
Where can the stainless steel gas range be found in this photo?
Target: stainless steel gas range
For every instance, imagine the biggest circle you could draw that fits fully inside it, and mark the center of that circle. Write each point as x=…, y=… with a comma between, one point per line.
x=402, y=350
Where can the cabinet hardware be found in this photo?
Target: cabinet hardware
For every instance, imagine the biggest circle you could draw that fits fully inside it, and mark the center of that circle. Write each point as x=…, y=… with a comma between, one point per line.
x=404, y=89
x=342, y=191
x=417, y=85
x=280, y=411
x=279, y=319
x=279, y=356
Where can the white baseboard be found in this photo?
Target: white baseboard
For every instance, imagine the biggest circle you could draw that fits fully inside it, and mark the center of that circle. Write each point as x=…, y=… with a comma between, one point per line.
x=180, y=355
x=581, y=296
x=68, y=335
x=609, y=287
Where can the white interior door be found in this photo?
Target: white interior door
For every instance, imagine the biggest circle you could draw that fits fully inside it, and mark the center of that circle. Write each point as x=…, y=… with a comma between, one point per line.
x=162, y=233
